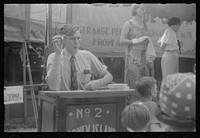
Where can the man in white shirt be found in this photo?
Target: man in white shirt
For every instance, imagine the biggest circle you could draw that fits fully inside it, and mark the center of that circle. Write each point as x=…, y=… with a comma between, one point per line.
x=59, y=75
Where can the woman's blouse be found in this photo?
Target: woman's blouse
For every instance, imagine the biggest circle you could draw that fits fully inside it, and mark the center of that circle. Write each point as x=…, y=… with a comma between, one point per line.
x=170, y=38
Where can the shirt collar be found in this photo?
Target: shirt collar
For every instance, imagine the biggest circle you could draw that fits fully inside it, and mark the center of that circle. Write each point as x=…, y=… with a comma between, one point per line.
x=67, y=55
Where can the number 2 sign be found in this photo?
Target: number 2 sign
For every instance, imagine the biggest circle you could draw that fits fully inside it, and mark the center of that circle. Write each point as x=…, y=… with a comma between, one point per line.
x=91, y=118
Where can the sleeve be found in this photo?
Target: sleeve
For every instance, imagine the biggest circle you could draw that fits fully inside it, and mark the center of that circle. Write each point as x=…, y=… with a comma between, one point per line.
x=96, y=66
x=167, y=37
x=50, y=62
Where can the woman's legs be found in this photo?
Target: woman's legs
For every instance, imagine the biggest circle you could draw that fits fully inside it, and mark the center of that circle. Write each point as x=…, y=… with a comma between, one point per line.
x=169, y=64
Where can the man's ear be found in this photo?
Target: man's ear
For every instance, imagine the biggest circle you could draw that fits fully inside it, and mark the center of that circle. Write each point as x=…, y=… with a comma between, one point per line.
x=152, y=92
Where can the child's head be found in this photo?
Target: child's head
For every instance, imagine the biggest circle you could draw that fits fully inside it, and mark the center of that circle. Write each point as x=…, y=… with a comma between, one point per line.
x=135, y=116
x=147, y=87
x=177, y=102
x=174, y=23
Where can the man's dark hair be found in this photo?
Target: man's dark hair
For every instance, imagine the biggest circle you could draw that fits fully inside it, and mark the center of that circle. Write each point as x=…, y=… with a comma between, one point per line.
x=144, y=85
x=174, y=21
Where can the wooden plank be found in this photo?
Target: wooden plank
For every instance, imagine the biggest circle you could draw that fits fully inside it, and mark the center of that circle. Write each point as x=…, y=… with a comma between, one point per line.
x=68, y=105
x=21, y=120
x=47, y=99
x=40, y=104
x=88, y=94
x=47, y=117
x=120, y=105
x=6, y=113
x=72, y=114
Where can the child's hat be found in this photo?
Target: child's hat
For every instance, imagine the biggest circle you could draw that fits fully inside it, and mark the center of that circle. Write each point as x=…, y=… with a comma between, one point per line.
x=178, y=96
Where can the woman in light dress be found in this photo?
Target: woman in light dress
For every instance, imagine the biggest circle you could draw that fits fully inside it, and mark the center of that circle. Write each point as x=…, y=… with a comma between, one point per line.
x=169, y=44
x=136, y=64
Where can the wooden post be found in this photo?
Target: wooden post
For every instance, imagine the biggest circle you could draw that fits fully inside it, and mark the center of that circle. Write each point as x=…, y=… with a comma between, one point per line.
x=24, y=82
x=27, y=34
x=48, y=40
x=49, y=30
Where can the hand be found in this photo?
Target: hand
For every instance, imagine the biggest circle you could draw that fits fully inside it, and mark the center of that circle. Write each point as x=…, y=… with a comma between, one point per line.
x=93, y=85
x=57, y=44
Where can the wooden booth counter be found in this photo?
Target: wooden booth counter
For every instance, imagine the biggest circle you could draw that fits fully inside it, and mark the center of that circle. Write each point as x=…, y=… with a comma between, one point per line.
x=82, y=111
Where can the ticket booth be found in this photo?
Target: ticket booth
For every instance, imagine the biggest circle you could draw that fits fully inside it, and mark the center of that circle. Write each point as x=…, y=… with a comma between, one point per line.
x=82, y=111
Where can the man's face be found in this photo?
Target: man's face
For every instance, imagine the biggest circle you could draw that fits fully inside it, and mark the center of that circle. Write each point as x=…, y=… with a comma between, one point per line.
x=72, y=43
x=175, y=27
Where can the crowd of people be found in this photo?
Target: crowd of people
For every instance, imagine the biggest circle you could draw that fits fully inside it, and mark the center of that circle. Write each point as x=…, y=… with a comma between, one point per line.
x=70, y=68
x=175, y=109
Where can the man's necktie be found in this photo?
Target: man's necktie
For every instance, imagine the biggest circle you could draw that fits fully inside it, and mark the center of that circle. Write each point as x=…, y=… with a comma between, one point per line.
x=74, y=83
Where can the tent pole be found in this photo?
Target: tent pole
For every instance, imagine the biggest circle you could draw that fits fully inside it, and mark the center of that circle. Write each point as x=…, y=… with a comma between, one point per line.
x=24, y=82
x=49, y=31
x=27, y=27
x=27, y=36
x=48, y=38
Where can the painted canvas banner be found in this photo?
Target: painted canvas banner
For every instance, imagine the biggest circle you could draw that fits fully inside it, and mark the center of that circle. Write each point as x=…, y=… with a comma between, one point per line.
x=101, y=27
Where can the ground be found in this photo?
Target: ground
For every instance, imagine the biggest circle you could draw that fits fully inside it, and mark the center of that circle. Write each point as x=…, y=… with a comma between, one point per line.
x=19, y=127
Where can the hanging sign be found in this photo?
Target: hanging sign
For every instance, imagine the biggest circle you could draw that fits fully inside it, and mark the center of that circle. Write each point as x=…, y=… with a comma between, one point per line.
x=13, y=94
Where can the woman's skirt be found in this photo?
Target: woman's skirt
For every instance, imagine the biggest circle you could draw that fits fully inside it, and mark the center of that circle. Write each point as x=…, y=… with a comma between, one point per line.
x=169, y=63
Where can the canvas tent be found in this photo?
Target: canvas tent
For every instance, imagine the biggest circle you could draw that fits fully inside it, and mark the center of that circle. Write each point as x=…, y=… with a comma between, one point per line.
x=101, y=25
x=14, y=21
